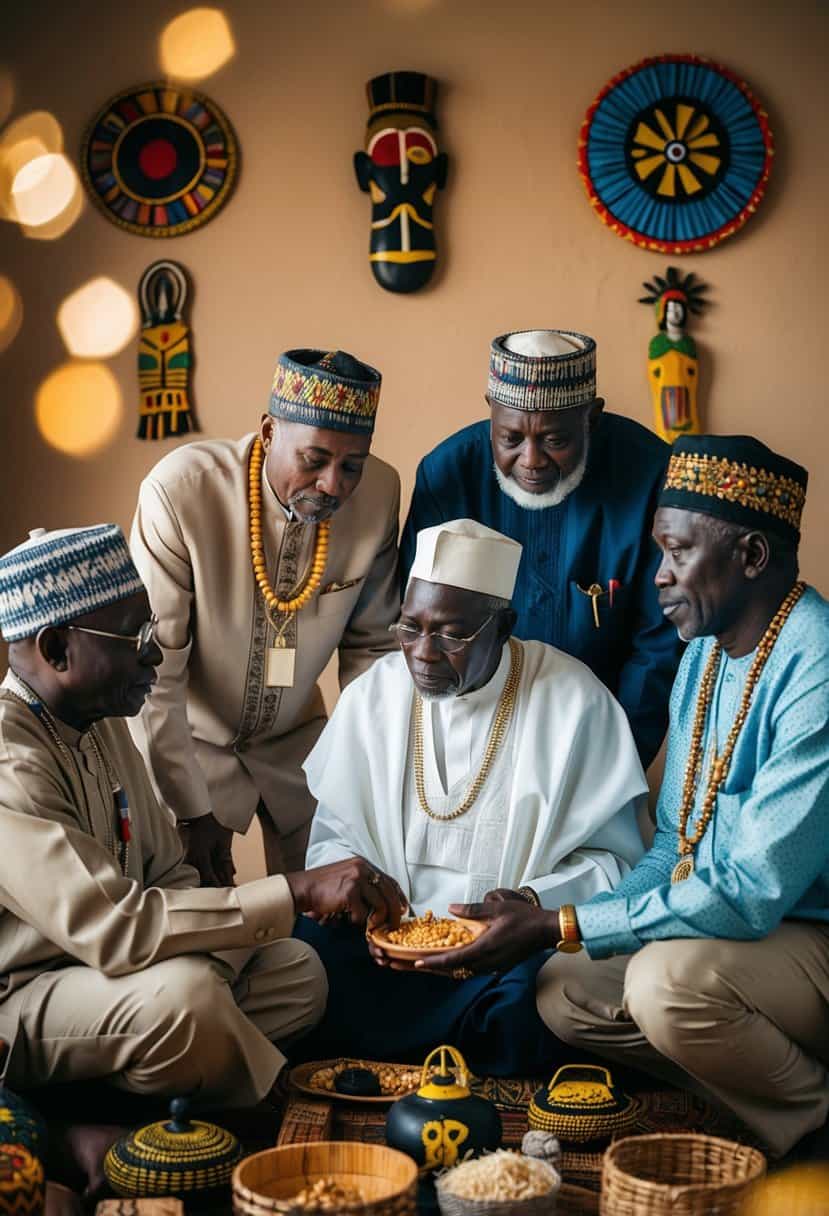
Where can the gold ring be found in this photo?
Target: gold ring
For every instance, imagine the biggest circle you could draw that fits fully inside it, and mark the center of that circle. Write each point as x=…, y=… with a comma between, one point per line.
x=462, y=973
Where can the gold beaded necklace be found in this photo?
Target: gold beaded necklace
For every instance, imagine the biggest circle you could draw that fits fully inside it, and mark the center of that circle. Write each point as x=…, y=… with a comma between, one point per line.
x=503, y=715
x=260, y=571
x=120, y=849
x=721, y=764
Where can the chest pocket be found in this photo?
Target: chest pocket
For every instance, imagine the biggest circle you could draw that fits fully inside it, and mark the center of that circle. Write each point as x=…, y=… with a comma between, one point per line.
x=340, y=599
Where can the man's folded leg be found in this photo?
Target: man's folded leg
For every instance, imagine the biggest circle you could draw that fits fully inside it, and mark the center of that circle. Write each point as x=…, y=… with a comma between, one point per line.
x=189, y=1025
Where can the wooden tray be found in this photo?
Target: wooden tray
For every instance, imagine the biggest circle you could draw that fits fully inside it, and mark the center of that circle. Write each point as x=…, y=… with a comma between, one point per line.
x=380, y=938
x=300, y=1078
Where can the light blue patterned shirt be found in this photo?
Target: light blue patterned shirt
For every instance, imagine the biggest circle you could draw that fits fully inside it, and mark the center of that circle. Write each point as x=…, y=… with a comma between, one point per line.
x=765, y=855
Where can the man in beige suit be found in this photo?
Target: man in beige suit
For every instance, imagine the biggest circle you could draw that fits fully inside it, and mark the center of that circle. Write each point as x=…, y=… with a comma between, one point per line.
x=109, y=950
x=263, y=558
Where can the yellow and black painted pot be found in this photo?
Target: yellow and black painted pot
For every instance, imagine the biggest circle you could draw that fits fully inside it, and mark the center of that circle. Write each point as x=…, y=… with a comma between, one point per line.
x=443, y=1123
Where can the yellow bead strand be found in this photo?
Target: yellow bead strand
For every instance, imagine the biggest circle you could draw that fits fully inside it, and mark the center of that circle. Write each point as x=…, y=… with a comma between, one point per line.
x=257, y=553
x=721, y=764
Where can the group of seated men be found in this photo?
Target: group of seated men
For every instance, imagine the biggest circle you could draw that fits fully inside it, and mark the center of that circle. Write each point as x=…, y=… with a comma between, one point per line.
x=485, y=756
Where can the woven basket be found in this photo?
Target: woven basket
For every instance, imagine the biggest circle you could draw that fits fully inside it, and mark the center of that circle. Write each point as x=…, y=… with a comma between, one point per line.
x=678, y=1175
x=456, y=1205
x=266, y=1182
x=580, y=1104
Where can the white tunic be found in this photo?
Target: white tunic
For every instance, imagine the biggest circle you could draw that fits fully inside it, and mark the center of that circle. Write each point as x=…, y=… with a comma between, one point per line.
x=557, y=811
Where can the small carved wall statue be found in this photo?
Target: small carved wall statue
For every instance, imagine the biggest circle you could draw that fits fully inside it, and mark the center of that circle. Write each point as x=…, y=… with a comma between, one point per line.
x=672, y=353
x=164, y=357
x=401, y=169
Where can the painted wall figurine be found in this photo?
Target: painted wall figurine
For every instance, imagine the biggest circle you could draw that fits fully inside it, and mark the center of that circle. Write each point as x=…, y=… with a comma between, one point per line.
x=164, y=355
x=401, y=169
x=673, y=366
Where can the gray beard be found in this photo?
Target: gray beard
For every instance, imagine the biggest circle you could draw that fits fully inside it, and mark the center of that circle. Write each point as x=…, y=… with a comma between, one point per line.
x=551, y=498
x=437, y=696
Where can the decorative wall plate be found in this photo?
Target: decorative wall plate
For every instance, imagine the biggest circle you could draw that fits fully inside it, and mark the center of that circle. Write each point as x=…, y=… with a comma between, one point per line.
x=675, y=153
x=159, y=160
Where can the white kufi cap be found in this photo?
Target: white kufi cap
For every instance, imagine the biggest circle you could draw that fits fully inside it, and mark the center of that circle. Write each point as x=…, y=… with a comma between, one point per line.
x=466, y=554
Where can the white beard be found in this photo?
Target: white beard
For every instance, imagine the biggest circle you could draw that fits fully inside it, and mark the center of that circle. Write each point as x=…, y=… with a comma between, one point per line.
x=551, y=498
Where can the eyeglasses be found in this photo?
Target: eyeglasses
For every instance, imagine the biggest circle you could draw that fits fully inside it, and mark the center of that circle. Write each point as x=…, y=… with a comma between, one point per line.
x=407, y=636
x=143, y=639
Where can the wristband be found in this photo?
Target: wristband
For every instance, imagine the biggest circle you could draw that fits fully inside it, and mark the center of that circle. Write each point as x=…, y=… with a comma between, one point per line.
x=568, y=928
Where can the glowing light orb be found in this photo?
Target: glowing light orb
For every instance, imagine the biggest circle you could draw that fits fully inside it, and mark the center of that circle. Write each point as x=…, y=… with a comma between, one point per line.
x=11, y=312
x=43, y=188
x=78, y=408
x=196, y=44
x=98, y=319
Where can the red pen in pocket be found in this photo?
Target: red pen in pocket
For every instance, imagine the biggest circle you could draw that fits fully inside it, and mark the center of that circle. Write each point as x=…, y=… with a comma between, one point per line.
x=613, y=585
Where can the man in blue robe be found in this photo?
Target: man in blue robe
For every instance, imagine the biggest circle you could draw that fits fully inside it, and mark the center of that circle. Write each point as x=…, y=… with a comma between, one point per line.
x=577, y=488
x=709, y=963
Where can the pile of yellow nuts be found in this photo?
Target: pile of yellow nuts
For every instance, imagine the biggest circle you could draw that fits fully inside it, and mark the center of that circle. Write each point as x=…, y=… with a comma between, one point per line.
x=327, y=1195
x=432, y=931
x=393, y=1081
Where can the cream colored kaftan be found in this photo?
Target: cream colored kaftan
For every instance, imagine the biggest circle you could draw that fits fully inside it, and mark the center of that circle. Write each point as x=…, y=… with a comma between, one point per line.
x=106, y=966
x=215, y=737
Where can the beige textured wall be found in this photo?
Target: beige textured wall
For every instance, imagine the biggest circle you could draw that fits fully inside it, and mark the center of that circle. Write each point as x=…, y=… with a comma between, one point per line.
x=285, y=263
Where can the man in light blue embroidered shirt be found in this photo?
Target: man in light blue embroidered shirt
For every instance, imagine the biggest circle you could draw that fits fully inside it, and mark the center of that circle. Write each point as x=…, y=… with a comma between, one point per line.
x=719, y=978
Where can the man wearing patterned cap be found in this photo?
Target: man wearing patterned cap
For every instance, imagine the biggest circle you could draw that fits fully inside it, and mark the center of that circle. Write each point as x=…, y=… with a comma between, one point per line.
x=263, y=558
x=109, y=951
x=520, y=783
x=709, y=963
x=577, y=487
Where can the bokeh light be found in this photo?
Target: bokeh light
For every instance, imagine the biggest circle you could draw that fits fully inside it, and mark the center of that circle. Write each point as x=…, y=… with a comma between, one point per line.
x=98, y=319
x=43, y=188
x=11, y=312
x=78, y=408
x=62, y=222
x=196, y=44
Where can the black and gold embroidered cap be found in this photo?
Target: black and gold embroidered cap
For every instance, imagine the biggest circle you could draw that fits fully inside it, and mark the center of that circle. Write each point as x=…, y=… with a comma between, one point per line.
x=736, y=478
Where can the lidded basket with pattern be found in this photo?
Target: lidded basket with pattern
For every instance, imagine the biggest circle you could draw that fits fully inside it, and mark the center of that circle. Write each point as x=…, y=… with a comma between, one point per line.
x=176, y=1156
x=581, y=1103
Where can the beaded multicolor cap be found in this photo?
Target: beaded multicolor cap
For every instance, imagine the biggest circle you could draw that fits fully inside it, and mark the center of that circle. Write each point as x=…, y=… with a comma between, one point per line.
x=542, y=369
x=736, y=478
x=328, y=389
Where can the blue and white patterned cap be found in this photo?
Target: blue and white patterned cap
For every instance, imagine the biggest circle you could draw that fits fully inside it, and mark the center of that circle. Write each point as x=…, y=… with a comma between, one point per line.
x=54, y=577
x=542, y=369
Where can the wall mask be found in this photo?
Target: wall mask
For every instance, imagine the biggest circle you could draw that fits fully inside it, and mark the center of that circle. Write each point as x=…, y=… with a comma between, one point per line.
x=164, y=356
x=401, y=169
x=673, y=367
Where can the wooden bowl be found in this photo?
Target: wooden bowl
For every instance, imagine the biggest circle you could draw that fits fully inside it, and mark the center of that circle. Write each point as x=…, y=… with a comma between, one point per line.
x=265, y=1183
x=410, y=953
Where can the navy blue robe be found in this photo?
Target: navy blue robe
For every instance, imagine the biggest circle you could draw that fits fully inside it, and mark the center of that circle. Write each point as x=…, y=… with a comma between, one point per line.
x=601, y=531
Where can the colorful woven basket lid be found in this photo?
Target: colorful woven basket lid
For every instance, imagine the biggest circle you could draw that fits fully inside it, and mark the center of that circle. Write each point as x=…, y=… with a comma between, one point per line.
x=174, y=1157
x=581, y=1103
x=22, y=1185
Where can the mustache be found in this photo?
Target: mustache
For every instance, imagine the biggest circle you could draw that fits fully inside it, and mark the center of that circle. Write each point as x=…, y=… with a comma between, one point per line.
x=319, y=501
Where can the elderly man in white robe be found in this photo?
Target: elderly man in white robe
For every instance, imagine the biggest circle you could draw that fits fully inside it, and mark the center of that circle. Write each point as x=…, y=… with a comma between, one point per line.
x=468, y=766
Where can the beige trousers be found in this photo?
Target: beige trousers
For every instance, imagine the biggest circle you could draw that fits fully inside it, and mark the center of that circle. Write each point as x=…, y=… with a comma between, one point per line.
x=198, y=1025
x=746, y=1023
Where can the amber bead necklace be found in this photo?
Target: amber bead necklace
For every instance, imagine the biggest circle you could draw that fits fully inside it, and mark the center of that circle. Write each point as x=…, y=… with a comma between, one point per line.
x=720, y=764
x=503, y=715
x=260, y=571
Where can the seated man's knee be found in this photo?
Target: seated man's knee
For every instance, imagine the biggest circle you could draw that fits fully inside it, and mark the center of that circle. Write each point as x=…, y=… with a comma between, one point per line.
x=561, y=996
x=666, y=982
x=186, y=1005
